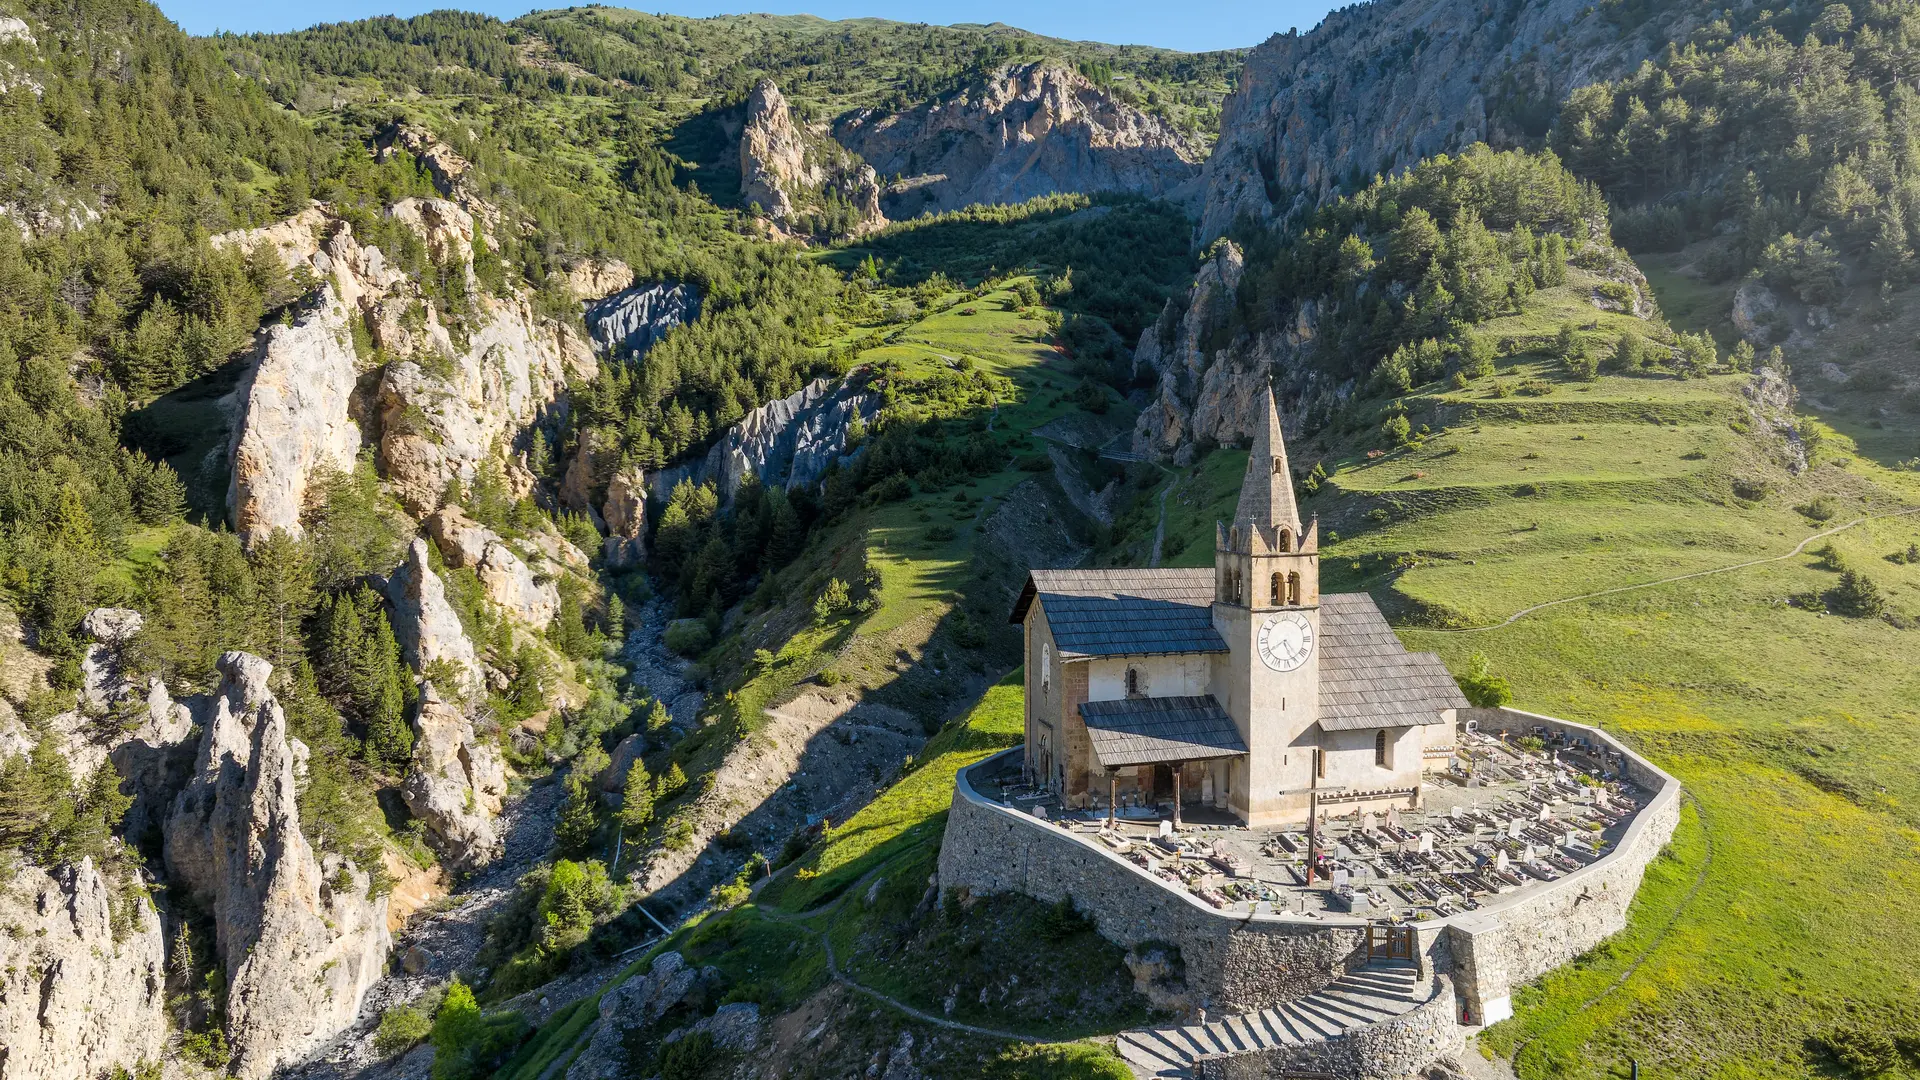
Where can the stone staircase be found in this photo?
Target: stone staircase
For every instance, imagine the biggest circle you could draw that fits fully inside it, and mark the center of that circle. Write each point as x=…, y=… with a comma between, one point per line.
x=1355, y=1000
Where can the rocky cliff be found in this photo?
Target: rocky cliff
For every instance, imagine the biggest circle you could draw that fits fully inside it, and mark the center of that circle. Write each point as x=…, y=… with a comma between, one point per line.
x=299, y=935
x=787, y=443
x=786, y=170
x=1025, y=130
x=457, y=784
x=1378, y=86
x=453, y=395
x=629, y=321
x=429, y=630
x=77, y=997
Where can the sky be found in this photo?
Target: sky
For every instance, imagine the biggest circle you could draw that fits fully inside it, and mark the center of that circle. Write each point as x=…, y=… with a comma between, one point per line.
x=1211, y=24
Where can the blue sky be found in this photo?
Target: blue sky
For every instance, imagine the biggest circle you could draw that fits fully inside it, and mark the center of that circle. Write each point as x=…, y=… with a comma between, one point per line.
x=1213, y=24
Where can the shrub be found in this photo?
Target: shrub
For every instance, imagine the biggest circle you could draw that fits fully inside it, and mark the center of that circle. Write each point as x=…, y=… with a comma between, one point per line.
x=1861, y=1051
x=1857, y=597
x=1396, y=430
x=1820, y=508
x=832, y=600
x=688, y=637
x=690, y=1058
x=1483, y=688
x=402, y=1027
x=829, y=677
x=467, y=1044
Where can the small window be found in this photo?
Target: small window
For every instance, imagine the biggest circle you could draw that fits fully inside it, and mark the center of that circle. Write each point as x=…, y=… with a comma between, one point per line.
x=1293, y=588
x=1277, y=597
x=1046, y=666
x=1380, y=748
x=1320, y=763
x=1276, y=466
x=1286, y=539
x=1133, y=682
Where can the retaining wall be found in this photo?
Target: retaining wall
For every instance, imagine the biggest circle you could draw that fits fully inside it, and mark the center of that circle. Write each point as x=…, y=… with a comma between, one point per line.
x=1242, y=962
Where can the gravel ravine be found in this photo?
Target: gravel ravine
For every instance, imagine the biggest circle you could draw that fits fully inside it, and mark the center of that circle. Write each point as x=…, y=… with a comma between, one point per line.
x=452, y=937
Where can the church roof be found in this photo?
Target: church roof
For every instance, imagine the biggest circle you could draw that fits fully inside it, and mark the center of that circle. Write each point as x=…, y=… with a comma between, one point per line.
x=1368, y=679
x=1266, y=492
x=1125, y=612
x=1145, y=731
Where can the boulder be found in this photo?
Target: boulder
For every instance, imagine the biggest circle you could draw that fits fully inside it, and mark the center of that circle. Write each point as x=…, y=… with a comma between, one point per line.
x=735, y=1028
x=77, y=998
x=636, y=1003
x=1754, y=309
x=299, y=934
x=426, y=625
x=455, y=785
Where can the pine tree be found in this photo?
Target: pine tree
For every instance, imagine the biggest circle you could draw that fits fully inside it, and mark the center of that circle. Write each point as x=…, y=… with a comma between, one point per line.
x=636, y=806
x=580, y=815
x=283, y=571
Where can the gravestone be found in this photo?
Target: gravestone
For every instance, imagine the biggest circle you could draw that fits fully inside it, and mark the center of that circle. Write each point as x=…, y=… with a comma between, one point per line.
x=1514, y=826
x=1425, y=846
x=1166, y=828
x=1393, y=817
x=1367, y=822
x=1456, y=813
x=1340, y=878
x=1500, y=859
x=1039, y=811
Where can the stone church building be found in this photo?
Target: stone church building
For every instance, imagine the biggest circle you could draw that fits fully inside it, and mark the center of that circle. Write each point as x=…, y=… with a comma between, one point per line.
x=1239, y=688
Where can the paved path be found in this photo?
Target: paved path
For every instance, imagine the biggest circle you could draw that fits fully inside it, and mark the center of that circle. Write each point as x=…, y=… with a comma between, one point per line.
x=1797, y=549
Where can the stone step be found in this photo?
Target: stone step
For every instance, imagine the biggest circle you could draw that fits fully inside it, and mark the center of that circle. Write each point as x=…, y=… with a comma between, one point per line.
x=1292, y=1033
x=1309, y=1022
x=1331, y=1023
x=1149, y=1061
x=1372, y=1009
x=1408, y=979
x=1347, y=1013
x=1244, y=1034
x=1273, y=1029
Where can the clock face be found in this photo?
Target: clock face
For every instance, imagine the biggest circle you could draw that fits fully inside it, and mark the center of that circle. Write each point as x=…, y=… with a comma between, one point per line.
x=1286, y=641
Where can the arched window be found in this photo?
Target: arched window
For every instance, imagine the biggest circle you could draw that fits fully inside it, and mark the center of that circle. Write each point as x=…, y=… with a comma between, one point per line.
x=1046, y=666
x=1380, y=748
x=1133, y=682
x=1286, y=539
x=1293, y=588
x=1277, y=597
x=1276, y=466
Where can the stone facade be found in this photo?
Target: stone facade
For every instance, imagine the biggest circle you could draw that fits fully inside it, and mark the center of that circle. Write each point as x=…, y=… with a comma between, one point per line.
x=1394, y=1048
x=1239, y=962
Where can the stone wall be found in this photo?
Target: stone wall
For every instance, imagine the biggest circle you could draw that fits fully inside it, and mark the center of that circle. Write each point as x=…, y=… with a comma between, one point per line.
x=1238, y=961
x=1514, y=940
x=1388, y=1050
x=1233, y=963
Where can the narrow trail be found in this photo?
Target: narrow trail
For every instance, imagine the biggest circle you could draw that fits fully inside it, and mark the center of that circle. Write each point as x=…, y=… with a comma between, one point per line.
x=1686, y=902
x=1160, y=528
x=1797, y=549
x=798, y=919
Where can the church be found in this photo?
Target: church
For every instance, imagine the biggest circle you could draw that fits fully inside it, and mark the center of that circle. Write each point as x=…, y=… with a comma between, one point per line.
x=1241, y=688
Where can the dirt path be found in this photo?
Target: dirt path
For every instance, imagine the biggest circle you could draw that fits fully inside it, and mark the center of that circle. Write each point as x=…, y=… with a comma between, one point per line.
x=1160, y=527
x=797, y=921
x=1524, y=612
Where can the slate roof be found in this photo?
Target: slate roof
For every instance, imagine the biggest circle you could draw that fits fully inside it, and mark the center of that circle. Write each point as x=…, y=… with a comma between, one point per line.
x=1144, y=731
x=1368, y=679
x=1125, y=612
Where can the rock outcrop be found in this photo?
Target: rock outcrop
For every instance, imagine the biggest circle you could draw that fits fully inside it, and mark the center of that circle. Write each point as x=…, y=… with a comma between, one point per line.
x=1376, y=87
x=787, y=443
x=636, y=1003
x=1206, y=394
x=1024, y=130
x=113, y=707
x=784, y=168
x=510, y=581
x=299, y=935
x=625, y=515
x=294, y=422
x=428, y=628
x=628, y=322
x=456, y=784
x=76, y=998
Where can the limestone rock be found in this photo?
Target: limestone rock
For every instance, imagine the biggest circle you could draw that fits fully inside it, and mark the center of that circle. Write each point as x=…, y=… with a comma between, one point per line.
x=786, y=443
x=1023, y=130
x=74, y=1000
x=772, y=153
x=292, y=417
x=114, y=708
x=509, y=581
x=1754, y=309
x=639, y=1001
x=1376, y=87
x=447, y=167
x=591, y=279
x=446, y=228
x=12, y=29
x=426, y=625
x=455, y=785
x=734, y=1028
x=783, y=165
x=299, y=935
x=625, y=515
x=585, y=473
x=629, y=322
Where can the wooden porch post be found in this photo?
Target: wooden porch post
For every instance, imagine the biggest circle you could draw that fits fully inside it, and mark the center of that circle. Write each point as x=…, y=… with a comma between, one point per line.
x=1176, y=794
x=1113, y=796
x=1313, y=813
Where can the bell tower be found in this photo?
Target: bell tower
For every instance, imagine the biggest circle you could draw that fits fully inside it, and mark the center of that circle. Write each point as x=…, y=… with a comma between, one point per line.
x=1267, y=607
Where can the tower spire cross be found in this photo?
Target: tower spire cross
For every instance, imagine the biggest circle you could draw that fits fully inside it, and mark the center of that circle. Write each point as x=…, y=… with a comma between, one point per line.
x=1266, y=494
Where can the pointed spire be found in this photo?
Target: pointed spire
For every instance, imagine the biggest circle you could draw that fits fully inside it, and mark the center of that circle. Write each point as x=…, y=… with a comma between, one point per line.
x=1266, y=495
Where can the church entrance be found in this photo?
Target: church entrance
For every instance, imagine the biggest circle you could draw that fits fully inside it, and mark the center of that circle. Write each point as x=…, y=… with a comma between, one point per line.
x=1162, y=783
